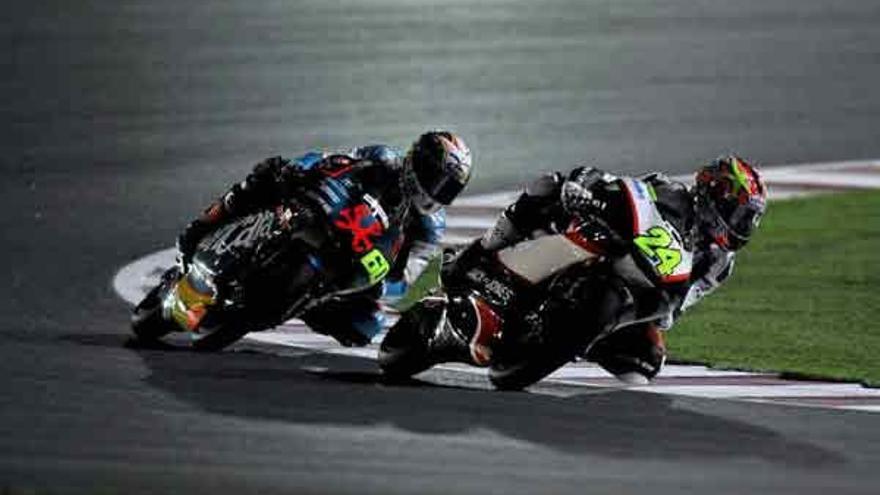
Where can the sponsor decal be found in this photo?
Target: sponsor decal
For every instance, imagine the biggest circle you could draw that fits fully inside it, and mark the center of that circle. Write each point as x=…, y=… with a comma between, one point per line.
x=495, y=288
x=243, y=233
x=362, y=224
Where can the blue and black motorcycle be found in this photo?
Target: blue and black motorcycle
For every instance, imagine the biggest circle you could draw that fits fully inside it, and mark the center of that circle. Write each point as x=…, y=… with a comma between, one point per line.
x=265, y=268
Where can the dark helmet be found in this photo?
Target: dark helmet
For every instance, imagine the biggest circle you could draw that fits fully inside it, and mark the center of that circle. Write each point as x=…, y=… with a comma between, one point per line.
x=731, y=199
x=438, y=166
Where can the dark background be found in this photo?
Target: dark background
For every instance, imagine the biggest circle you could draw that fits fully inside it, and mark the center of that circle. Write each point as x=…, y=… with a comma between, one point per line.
x=121, y=119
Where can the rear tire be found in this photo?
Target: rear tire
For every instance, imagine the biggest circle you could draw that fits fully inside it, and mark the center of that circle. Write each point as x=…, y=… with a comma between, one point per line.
x=519, y=374
x=533, y=354
x=523, y=361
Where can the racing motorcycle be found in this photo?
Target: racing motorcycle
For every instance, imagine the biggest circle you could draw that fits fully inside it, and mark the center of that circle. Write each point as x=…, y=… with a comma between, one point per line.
x=275, y=264
x=530, y=308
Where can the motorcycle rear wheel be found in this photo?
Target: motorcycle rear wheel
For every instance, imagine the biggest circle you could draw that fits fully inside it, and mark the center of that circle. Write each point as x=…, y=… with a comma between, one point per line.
x=521, y=363
x=517, y=375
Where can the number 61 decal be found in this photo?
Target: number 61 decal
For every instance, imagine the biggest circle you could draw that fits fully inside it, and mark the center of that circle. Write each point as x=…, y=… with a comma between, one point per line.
x=376, y=265
x=655, y=245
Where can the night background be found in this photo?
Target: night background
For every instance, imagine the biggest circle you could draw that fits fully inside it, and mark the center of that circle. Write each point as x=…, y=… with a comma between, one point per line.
x=121, y=120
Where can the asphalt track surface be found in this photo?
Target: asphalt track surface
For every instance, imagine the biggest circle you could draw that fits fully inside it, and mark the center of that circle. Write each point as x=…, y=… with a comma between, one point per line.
x=121, y=119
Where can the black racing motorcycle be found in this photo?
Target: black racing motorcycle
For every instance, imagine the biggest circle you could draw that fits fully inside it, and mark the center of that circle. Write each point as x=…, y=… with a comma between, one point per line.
x=532, y=307
x=272, y=265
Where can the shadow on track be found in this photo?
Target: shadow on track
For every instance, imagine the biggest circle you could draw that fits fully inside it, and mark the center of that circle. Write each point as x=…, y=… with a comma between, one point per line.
x=302, y=386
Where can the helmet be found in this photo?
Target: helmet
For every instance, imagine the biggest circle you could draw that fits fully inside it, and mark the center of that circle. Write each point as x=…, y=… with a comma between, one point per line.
x=437, y=167
x=731, y=198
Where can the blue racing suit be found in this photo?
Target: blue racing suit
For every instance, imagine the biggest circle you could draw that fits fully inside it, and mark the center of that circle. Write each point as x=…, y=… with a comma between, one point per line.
x=378, y=169
x=359, y=318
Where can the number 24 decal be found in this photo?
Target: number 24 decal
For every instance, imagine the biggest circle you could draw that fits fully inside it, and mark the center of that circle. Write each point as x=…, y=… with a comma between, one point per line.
x=655, y=245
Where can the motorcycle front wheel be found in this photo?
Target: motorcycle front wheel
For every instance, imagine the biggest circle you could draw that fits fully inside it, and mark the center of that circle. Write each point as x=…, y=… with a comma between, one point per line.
x=219, y=336
x=405, y=350
x=147, y=321
x=150, y=326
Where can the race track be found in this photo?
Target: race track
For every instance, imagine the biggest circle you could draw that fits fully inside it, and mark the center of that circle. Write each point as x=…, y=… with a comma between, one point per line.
x=122, y=119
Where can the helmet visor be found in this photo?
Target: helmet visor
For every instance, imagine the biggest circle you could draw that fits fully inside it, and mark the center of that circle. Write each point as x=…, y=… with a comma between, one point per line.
x=446, y=190
x=742, y=219
x=441, y=187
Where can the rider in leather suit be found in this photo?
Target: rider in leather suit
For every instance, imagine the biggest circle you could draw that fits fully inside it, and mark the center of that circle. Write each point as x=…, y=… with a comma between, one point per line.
x=411, y=188
x=714, y=218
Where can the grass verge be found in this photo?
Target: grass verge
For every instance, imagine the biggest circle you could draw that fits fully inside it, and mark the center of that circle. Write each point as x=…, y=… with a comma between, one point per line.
x=803, y=298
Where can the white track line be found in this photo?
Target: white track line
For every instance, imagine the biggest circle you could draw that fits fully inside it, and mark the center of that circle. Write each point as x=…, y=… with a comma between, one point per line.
x=840, y=390
x=875, y=409
x=491, y=200
x=469, y=222
x=297, y=335
x=130, y=281
x=829, y=180
x=669, y=371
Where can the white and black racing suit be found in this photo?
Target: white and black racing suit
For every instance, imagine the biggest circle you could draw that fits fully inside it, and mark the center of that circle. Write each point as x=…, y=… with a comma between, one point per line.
x=377, y=169
x=549, y=203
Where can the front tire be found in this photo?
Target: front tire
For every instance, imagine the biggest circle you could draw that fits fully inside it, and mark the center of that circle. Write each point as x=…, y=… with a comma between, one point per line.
x=150, y=326
x=222, y=335
x=406, y=350
x=147, y=321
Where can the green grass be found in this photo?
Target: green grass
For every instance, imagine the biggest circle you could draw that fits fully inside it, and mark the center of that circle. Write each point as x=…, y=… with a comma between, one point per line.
x=803, y=298
x=429, y=279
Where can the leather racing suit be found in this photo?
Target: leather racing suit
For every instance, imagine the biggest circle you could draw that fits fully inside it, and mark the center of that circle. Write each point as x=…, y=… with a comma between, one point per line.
x=633, y=353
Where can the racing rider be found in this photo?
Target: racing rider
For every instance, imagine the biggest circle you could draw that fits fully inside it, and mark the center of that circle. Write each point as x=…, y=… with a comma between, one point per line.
x=713, y=219
x=412, y=189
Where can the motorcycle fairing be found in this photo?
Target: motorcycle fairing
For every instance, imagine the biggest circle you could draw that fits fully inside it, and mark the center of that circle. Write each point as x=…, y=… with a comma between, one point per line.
x=190, y=298
x=656, y=240
x=241, y=233
x=538, y=259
